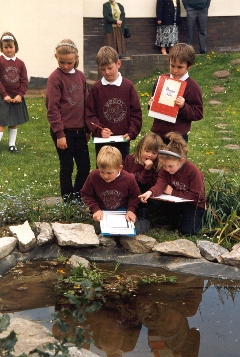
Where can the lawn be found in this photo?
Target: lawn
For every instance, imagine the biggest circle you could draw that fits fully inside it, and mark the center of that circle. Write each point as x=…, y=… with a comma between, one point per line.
x=33, y=172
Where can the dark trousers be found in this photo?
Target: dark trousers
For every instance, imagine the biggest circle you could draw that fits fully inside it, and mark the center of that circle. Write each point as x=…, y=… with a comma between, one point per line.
x=77, y=151
x=199, y=18
x=124, y=148
x=184, y=217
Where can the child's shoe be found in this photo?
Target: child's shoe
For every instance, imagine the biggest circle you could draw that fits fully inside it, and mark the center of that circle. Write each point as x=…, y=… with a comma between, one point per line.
x=13, y=149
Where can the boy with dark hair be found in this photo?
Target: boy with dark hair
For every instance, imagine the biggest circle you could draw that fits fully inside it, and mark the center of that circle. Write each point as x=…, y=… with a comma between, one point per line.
x=113, y=105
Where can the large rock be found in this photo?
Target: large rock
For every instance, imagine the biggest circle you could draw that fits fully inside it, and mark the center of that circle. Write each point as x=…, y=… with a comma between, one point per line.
x=43, y=231
x=182, y=247
x=231, y=258
x=75, y=234
x=75, y=260
x=25, y=236
x=7, y=244
x=138, y=244
x=210, y=251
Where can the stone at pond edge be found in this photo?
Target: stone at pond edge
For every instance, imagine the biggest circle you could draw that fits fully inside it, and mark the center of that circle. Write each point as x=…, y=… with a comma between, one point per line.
x=181, y=247
x=25, y=236
x=75, y=234
x=231, y=258
x=75, y=260
x=43, y=231
x=138, y=244
x=7, y=244
x=210, y=251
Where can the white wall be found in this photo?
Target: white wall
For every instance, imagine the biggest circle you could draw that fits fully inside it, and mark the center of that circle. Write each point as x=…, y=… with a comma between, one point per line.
x=147, y=8
x=38, y=27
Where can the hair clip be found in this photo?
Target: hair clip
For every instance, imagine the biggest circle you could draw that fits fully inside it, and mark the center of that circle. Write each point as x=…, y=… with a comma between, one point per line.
x=7, y=37
x=66, y=44
x=167, y=152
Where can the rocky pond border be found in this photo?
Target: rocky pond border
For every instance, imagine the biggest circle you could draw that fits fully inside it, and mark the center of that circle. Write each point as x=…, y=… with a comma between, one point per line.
x=49, y=241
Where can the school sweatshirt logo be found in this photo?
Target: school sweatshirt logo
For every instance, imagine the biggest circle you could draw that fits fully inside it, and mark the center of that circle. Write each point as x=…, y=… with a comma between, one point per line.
x=111, y=198
x=11, y=74
x=76, y=95
x=115, y=110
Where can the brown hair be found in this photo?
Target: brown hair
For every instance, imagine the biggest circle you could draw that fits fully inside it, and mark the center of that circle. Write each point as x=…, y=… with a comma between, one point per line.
x=176, y=145
x=109, y=157
x=151, y=142
x=9, y=41
x=106, y=55
x=183, y=53
x=65, y=47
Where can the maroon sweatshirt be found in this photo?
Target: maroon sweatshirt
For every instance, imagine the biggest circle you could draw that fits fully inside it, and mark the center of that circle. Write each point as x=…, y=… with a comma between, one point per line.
x=66, y=98
x=114, y=107
x=146, y=177
x=13, y=77
x=122, y=192
x=191, y=111
x=187, y=182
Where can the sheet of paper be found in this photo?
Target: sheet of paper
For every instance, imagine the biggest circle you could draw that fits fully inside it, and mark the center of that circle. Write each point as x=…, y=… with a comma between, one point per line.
x=111, y=139
x=164, y=197
x=114, y=223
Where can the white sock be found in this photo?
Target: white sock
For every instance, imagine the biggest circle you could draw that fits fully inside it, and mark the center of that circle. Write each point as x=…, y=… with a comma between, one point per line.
x=12, y=135
x=1, y=135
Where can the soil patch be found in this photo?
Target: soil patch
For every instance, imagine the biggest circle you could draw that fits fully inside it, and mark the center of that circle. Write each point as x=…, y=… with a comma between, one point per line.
x=35, y=92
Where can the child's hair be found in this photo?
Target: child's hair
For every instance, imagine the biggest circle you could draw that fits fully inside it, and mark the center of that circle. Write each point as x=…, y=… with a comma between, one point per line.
x=151, y=142
x=109, y=157
x=8, y=37
x=177, y=145
x=183, y=53
x=65, y=47
x=106, y=55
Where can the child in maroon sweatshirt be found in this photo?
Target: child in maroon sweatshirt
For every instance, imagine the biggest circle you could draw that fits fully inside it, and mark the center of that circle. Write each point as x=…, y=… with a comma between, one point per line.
x=179, y=177
x=65, y=101
x=111, y=188
x=113, y=105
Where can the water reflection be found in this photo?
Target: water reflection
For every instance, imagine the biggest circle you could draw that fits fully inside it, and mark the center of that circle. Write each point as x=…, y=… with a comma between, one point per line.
x=192, y=318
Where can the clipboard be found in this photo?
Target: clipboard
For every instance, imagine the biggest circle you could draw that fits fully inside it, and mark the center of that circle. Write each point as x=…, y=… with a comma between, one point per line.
x=111, y=139
x=114, y=223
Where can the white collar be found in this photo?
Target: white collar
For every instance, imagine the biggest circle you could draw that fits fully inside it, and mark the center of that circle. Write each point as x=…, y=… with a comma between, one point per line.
x=8, y=58
x=117, y=82
x=183, y=78
x=71, y=72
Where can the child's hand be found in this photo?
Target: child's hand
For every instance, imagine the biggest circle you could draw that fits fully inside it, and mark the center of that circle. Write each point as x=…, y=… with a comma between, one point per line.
x=150, y=101
x=17, y=99
x=62, y=143
x=127, y=137
x=106, y=133
x=98, y=216
x=168, y=190
x=180, y=101
x=145, y=196
x=130, y=216
x=148, y=164
x=7, y=99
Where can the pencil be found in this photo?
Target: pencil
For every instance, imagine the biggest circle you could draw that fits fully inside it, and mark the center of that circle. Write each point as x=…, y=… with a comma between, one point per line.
x=97, y=126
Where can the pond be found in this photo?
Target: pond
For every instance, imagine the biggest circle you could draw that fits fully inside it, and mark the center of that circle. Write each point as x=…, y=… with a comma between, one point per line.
x=194, y=317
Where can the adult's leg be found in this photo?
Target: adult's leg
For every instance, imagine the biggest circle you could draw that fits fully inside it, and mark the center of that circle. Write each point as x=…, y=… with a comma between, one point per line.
x=191, y=20
x=81, y=157
x=202, y=29
x=66, y=165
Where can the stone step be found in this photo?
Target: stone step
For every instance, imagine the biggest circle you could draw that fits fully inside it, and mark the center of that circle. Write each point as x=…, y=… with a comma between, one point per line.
x=93, y=75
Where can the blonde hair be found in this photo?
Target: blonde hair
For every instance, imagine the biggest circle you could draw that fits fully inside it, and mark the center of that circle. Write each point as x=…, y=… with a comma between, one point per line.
x=151, y=142
x=183, y=53
x=65, y=47
x=106, y=55
x=109, y=157
x=9, y=41
x=176, y=145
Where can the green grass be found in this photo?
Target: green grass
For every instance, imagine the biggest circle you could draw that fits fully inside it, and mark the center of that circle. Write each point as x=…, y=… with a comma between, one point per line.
x=34, y=172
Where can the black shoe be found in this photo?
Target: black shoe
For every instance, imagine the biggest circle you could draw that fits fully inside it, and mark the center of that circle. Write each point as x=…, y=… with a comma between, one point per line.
x=203, y=52
x=13, y=149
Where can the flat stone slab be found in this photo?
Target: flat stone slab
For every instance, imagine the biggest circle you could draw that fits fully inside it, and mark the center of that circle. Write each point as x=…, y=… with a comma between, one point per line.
x=215, y=102
x=232, y=147
x=7, y=244
x=221, y=74
x=218, y=89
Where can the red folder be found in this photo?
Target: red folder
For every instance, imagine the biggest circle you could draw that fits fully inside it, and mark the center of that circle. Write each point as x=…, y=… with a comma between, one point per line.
x=163, y=106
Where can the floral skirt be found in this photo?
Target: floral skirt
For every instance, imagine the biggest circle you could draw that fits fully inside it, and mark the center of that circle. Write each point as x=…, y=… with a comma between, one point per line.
x=167, y=36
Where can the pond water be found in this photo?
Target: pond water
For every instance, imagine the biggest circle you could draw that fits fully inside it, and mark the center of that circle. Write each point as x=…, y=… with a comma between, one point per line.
x=194, y=317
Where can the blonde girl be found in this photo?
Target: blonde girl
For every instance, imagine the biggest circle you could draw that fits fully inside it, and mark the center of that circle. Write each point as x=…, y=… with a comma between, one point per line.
x=179, y=177
x=66, y=97
x=13, y=86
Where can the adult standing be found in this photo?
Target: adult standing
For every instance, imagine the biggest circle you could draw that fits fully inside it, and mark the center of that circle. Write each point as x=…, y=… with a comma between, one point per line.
x=168, y=20
x=197, y=13
x=114, y=22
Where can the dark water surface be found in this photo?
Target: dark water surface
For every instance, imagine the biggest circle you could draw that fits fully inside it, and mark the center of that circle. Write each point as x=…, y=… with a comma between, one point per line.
x=194, y=317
